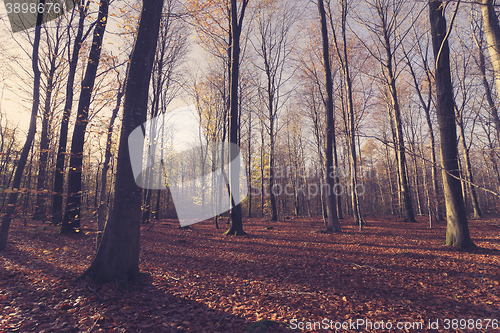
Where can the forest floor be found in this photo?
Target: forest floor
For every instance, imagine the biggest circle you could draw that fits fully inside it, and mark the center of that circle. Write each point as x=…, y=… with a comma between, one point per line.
x=279, y=279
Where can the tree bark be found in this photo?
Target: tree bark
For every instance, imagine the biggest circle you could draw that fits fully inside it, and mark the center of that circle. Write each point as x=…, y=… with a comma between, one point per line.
x=351, y=121
x=236, y=226
x=492, y=33
x=488, y=94
x=331, y=204
x=457, y=229
x=40, y=208
x=101, y=211
x=72, y=214
x=118, y=256
x=407, y=206
x=57, y=202
x=11, y=204
x=468, y=172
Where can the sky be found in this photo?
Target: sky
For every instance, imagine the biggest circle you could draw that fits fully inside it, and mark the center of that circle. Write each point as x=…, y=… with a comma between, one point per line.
x=16, y=104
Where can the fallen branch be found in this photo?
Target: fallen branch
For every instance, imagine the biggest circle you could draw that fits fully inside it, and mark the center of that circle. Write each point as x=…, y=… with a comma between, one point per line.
x=95, y=322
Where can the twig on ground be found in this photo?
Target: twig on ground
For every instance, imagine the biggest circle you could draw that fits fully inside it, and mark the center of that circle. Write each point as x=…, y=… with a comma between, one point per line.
x=100, y=297
x=95, y=322
x=293, y=292
x=354, y=264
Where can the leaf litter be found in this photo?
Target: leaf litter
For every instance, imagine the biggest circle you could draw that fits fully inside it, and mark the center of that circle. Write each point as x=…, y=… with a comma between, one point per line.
x=198, y=280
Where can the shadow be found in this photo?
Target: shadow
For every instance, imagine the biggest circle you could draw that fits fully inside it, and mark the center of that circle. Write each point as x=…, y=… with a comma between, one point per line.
x=42, y=297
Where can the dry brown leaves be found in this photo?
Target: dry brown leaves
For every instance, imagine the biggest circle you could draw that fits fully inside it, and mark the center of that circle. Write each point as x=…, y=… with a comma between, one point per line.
x=202, y=281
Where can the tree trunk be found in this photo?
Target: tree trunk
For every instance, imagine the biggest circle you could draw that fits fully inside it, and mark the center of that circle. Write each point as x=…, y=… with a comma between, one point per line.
x=426, y=186
x=118, y=256
x=407, y=207
x=468, y=172
x=11, y=204
x=262, y=165
x=236, y=226
x=351, y=123
x=331, y=204
x=40, y=208
x=57, y=202
x=457, y=229
x=249, y=164
x=72, y=214
x=272, y=196
x=492, y=33
x=101, y=211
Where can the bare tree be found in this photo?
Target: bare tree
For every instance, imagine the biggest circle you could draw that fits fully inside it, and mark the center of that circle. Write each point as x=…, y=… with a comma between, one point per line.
x=166, y=79
x=423, y=88
x=236, y=226
x=273, y=46
x=57, y=202
x=331, y=204
x=54, y=55
x=457, y=229
x=72, y=214
x=117, y=258
x=343, y=58
x=388, y=16
x=492, y=33
x=101, y=210
x=11, y=204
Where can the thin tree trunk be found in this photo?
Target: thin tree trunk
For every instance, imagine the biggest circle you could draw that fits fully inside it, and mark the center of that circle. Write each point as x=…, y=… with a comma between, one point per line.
x=11, y=204
x=101, y=211
x=72, y=215
x=57, y=202
x=249, y=164
x=426, y=105
x=333, y=220
x=488, y=94
x=40, y=208
x=468, y=172
x=492, y=33
x=407, y=207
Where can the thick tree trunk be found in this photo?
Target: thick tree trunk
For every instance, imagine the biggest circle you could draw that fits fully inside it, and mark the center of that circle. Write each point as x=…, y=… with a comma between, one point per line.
x=57, y=202
x=457, y=229
x=11, y=204
x=118, y=256
x=236, y=226
x=72, y=214
x=492, y=33
x=331, y=204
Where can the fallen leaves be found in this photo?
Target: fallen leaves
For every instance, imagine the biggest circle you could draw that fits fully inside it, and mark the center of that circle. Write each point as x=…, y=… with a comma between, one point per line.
x=202, y=281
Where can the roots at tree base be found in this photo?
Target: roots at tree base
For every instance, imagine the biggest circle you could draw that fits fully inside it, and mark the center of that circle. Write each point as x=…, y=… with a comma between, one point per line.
x=460, y=244
x=236, y=232
x=99, y=274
